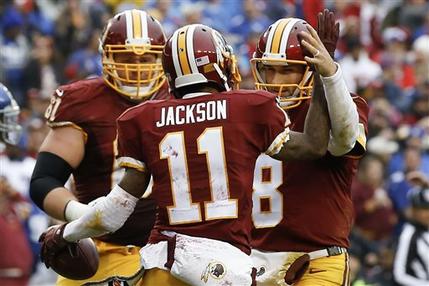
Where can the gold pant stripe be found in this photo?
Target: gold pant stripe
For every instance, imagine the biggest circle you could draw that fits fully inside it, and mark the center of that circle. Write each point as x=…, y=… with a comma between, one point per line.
x=346, y=278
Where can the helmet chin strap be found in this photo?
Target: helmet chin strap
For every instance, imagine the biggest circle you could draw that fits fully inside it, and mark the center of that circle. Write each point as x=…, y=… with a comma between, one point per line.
x=222, y=76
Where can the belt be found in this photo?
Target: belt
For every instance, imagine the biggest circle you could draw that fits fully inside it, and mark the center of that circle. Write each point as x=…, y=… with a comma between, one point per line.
x=330, y=251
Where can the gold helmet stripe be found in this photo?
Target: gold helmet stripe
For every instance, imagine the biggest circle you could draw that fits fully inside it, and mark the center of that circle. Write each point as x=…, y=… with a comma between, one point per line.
x=278, y=35
x=183, y=51
x=137, y=24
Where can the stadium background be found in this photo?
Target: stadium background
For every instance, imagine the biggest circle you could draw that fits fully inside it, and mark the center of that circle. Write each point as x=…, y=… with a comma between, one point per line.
x=384, y=52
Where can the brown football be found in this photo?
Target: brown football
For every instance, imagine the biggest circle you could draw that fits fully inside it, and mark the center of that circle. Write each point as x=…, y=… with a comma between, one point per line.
x=77, y=261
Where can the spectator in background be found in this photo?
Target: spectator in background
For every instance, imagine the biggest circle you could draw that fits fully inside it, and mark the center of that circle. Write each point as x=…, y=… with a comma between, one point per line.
x=14, y=53
x=252, y=19
x=412, y=13
x=397, y=55
x=371, y=202
x=400, y=184
x=410, y=137
x=420, y=48
x=37, y=20
x=42, y=74
x=423, y=29
x=411, y=266
x=310, y=8
x=16, y=258
x=85, y=62
x=71, y=28
x=165, y=12
x=192, y=13
x=217, y=13
x=37, y=131
x=17, y=167
x=384, y=117
x=361, y=69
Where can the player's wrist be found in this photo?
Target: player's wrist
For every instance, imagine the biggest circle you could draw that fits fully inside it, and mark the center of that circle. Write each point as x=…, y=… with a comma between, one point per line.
x=74, y=210
x=333, y=74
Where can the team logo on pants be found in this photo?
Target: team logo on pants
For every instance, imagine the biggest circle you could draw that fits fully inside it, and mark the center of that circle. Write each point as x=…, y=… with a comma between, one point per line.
x=215, y=269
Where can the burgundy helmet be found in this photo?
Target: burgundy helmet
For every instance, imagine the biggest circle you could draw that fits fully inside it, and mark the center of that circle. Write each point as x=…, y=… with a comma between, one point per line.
x=279, y=45
x=136, y=32
x=197, y=54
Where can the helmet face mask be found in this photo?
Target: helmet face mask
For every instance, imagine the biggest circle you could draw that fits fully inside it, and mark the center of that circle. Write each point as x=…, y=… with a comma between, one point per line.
x=10, y=130
x=131, y=46
x=197, y=55
x=278, y=64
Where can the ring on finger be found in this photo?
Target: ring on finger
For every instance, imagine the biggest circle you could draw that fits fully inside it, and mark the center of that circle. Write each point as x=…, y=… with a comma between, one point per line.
x=316, y=54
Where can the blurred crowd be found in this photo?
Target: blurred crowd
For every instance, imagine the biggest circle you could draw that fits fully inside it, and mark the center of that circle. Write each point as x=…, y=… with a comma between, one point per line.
x=383, y=49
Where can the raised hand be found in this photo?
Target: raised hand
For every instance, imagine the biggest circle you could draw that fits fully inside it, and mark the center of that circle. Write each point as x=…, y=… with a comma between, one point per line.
x=328, y=30
x=321, y=60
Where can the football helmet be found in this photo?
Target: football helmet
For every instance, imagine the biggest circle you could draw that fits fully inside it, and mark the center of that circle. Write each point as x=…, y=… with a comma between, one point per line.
x=137, y=34
x=9, y=112
x=280, y=45
x=197, y=54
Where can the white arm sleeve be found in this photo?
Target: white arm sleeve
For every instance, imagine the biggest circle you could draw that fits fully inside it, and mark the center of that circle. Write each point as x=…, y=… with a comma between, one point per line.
x=342, y=113
x=75, y=210
x=107, y=215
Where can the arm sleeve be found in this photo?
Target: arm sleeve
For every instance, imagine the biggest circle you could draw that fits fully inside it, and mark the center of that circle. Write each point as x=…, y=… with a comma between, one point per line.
x=107, y=215
x=130, y=154
x=343, y=114
x=359, y=148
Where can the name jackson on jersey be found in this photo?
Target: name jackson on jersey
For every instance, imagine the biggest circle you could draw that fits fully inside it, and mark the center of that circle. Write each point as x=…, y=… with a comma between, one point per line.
x=196, y=112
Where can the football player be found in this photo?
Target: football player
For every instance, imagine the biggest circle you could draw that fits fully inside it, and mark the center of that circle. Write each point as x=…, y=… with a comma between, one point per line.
x=201, y=149
x=302, y=211
x=9, y=112
x=83, y=116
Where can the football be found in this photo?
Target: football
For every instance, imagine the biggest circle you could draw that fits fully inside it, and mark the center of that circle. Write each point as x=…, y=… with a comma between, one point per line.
x=77, y=261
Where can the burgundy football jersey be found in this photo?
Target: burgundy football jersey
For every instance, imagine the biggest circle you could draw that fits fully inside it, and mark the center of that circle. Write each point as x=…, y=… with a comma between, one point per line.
x=92, y=107
x=201, y=152
x=306, y=205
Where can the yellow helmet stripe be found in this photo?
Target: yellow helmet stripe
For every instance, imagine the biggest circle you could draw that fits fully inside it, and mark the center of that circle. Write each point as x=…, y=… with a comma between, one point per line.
x=137, y=24
x=183, y=52
x=277, y=38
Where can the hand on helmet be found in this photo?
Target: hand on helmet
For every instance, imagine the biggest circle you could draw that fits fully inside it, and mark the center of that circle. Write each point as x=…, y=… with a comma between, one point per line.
x=328, y=31
x=321, y=59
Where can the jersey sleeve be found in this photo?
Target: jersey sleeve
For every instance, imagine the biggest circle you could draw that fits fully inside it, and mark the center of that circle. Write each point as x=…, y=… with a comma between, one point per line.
x=275, y=126
x=65, y=108
x=130, y=153
x=360, y=147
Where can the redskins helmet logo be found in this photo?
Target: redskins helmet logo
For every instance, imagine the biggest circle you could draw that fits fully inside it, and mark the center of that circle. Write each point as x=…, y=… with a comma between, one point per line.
x=215, y=269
